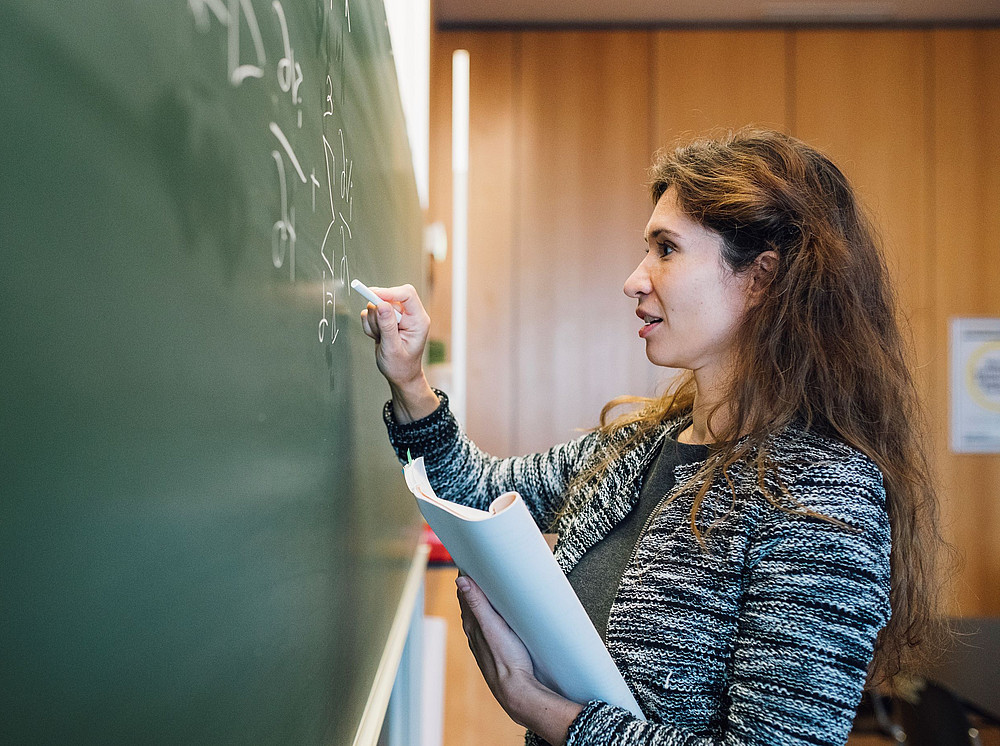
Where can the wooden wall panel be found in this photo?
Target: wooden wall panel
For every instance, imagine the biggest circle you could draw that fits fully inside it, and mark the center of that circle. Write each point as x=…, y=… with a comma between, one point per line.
x=705, y=81
x=490, y=408
x=711, y=79
x=861, y=96
x=966, y=245
x=581, y=203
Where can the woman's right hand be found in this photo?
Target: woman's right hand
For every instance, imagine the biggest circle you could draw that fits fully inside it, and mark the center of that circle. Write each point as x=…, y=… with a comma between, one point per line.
x=399, y=349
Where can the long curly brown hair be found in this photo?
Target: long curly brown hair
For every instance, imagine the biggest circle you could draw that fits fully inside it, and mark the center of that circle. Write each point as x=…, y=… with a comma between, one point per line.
x=822, y=349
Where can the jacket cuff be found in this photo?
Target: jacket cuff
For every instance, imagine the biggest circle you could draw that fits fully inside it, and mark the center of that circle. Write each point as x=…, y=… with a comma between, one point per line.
x=425, y=436
x=598, y=723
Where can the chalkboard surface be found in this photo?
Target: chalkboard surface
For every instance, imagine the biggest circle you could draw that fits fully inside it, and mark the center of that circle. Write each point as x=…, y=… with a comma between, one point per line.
x=203, y=533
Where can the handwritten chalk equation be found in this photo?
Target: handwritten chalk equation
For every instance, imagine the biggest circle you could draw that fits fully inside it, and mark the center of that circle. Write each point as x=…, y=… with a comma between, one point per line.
x=249, y=62
x=340, y=183
x=230, y=17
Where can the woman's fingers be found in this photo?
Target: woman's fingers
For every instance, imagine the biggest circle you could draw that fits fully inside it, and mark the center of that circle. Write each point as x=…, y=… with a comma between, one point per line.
x=405, y=297
x=499, y=652
x=381, y=317
x=388, y=330
x=508, y=670
x=473, y=599
x=367, y=325
x=400, y=344
x=473, y=629
x=486, y=628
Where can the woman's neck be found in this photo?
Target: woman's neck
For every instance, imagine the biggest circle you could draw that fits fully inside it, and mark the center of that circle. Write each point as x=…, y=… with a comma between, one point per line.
x=708, y=394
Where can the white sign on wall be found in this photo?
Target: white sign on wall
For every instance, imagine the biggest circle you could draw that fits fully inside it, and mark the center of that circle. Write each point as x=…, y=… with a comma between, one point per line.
x=975, y=385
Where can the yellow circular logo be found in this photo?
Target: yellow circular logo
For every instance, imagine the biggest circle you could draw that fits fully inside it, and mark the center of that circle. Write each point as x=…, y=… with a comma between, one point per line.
x=982, y=376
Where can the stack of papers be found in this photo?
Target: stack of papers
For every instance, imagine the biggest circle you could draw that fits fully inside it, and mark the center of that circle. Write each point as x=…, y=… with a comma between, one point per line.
x=505, y=553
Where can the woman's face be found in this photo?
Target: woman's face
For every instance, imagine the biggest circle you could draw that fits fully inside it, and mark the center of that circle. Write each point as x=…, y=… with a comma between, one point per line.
x=690, y=300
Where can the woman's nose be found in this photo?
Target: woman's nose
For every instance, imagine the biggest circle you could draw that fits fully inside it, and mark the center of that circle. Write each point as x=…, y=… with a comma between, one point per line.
x=637, y=283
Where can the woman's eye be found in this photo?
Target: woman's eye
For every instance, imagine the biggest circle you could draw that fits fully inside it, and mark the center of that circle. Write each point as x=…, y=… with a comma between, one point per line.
x=661, y=249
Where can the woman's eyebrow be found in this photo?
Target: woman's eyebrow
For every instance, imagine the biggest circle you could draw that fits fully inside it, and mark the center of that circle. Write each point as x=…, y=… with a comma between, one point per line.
x=661, y=232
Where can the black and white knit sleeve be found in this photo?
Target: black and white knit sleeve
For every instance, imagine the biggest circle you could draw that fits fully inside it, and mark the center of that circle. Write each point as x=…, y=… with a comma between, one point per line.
x=816, y=596
x=459, y=471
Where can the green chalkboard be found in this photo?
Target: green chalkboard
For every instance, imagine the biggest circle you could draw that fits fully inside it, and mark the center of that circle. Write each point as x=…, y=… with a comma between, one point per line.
x=203, y=532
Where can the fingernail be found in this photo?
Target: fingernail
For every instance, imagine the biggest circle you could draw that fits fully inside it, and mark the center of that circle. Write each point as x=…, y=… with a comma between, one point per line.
x=462, y=583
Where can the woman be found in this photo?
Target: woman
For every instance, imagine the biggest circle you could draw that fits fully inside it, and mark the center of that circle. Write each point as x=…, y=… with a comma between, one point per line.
x=758, y=543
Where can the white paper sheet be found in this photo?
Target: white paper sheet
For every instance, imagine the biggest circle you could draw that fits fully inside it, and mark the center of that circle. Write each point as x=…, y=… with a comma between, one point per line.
x=506, y=554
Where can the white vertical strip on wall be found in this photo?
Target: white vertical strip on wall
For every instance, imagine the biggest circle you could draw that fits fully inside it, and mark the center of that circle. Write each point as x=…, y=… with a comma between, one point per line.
x=432, y=692
x=409, y=24
x=403, y=725
x=459, y=227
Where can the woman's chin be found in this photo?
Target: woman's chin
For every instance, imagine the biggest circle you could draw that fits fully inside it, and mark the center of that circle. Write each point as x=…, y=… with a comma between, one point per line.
x=663, y=359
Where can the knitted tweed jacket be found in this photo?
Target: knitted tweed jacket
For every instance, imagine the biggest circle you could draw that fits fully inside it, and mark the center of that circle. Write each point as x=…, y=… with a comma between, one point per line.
x=763, y=637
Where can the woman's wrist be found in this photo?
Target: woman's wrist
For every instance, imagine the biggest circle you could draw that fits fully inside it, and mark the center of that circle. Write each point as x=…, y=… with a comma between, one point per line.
x=543, y=711
x=414, y=400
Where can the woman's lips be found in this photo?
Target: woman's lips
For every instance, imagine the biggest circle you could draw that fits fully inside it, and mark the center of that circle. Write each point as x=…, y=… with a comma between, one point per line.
x=648, y=328
x=650, y=322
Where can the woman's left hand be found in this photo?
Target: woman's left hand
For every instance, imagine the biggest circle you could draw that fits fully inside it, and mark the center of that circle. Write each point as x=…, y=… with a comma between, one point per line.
x=508, y=670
